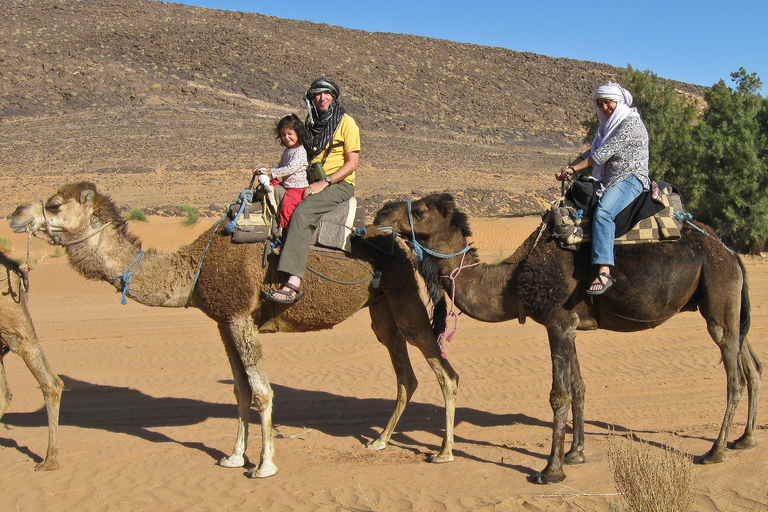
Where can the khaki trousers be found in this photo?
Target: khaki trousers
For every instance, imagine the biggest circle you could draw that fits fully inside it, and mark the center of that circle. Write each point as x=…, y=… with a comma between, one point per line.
x=306, y=217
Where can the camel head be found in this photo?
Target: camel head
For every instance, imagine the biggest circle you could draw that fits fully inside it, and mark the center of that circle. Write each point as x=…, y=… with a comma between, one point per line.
x=432, y=217
x=74, y=212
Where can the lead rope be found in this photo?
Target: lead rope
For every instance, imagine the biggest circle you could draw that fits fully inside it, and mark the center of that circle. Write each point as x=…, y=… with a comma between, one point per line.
x=448, y=336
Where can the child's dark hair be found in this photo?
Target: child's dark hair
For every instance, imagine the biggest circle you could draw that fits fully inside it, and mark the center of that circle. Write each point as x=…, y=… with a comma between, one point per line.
x=293, y=122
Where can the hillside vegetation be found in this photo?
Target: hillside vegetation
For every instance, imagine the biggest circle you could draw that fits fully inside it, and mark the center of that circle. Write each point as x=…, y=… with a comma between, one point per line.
x=151, y=99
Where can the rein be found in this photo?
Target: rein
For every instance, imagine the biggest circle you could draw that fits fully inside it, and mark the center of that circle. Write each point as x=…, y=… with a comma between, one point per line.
x=452, y=276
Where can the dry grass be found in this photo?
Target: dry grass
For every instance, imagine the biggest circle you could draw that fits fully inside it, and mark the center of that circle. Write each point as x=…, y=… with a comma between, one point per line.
x=650, y=478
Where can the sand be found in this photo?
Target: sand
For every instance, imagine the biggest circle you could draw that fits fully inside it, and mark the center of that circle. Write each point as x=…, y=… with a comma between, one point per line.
x=148, y=407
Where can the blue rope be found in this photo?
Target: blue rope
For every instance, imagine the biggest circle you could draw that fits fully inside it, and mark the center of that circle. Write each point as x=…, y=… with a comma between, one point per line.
x=128, y=274
x=420, y=249
x=246, y=196
x=686, y=217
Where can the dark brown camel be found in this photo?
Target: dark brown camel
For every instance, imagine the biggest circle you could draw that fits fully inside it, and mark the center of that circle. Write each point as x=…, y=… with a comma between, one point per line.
x=653, y=283
x=229, y=289
x=17, y=334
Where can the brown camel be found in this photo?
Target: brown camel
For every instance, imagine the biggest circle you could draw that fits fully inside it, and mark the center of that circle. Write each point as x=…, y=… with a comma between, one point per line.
x=229, y=288
x=17, y=334
x=653, y=283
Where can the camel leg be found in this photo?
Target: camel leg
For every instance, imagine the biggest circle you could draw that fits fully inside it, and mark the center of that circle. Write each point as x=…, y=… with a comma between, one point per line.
x=561, y=332
x=28, y=348
x=753, y=370
x=412, y=324
x=246, y=340
x=727, y=338
x=5, y=391
x=383, y=325
x=243, y=395
x=576, y=454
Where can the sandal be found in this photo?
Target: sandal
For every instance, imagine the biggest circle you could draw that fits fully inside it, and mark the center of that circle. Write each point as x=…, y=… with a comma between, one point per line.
x=290, y=292
x=603, y=284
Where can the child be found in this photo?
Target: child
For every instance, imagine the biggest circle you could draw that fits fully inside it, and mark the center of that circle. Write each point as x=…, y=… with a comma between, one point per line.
x=291, y=171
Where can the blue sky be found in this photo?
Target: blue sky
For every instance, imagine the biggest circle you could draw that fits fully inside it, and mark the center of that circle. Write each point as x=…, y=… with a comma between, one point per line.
x=698, y=42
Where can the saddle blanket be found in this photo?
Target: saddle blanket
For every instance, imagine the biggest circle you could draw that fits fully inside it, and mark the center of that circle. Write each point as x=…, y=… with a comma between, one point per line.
x=572, y=227
x=258, y=222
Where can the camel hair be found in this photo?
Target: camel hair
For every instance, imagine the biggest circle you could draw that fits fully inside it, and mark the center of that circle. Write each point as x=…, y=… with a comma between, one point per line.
x=654, y=282
x=229, y=288
x=17, y=335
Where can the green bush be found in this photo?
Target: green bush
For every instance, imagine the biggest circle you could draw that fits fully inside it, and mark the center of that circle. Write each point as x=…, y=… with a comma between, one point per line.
x=192, y=215
x=137, y=214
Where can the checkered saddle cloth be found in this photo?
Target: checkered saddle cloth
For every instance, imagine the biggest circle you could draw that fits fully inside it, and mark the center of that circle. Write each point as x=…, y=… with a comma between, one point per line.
x=571, y=227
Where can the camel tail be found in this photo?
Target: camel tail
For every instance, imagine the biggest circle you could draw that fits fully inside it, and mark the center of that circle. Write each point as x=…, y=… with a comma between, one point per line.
x=745, y=320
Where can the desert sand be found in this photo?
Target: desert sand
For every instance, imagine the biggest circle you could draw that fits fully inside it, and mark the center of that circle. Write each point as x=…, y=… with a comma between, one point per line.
x=148, y=407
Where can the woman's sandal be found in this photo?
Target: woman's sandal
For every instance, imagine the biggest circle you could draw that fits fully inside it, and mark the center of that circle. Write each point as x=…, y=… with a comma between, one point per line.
x=603, y=284
x=293, y=294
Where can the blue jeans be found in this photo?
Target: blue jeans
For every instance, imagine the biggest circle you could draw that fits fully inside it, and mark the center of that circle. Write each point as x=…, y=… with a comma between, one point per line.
x=613, y=201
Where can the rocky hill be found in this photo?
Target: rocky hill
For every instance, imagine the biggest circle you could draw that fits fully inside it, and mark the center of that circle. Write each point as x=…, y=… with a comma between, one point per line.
x=156, y=100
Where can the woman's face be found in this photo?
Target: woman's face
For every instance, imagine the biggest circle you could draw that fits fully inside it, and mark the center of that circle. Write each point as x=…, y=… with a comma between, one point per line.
x=289, y=137
x=606, y=106
x=323, y=101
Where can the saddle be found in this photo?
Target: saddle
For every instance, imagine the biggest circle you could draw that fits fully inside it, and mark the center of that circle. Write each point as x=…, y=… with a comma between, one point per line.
x=257, y=221
x=650, y=218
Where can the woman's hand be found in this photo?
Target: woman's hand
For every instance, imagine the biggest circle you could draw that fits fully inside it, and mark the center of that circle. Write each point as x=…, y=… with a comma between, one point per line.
x=564, y=173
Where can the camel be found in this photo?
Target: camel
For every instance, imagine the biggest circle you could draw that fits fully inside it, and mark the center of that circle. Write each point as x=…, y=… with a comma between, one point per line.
x=17, y=334
x=654, y=282
x=227, y=282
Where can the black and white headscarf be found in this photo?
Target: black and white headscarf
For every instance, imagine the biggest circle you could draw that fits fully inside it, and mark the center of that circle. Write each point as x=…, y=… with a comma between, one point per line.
x=321, y=128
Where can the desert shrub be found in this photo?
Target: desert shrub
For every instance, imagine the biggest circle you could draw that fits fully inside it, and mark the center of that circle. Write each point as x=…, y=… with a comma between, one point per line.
x=137, y=214
x=192, y=216
x=649, y=478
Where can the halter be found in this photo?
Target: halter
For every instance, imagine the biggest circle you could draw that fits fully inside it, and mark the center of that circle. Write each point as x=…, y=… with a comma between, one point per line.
x=420, y=249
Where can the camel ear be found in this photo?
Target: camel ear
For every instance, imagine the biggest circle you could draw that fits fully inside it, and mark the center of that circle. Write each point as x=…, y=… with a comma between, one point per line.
x=86, y=196
x=446, y=204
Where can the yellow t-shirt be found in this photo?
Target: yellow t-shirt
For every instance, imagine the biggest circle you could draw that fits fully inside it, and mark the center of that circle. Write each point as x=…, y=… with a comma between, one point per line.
x=348, y=134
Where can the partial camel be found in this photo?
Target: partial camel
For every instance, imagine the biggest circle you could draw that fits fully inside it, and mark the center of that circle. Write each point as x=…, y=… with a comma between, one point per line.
x=227, y=282
x=17, y=334
x=654, y=282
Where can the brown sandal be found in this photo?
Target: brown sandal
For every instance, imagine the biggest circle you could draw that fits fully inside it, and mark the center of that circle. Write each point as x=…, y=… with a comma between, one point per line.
x=290, y=292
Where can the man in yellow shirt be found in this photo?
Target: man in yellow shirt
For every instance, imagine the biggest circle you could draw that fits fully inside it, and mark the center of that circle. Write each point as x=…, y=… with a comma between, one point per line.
x=333, y=140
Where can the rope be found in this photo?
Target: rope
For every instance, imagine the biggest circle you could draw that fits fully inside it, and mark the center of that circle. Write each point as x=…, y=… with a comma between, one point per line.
x=448, y=337
x=246, y=197
x=373, y=273
x=202, y=258
x=420, y=249
x=686, y=217
x=128, y=274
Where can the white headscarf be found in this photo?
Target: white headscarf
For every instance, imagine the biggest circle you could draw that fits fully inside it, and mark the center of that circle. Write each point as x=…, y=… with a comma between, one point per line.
x=609, y=125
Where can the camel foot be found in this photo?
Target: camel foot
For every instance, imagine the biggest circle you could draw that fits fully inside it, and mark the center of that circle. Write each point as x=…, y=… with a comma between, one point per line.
x=263, y=471
x=233, y=461
x=440, y=458
x=713, y=457
x=376, y=444
x=575, y=457
x=47, y=465
x=744, y=442
x=547, y=477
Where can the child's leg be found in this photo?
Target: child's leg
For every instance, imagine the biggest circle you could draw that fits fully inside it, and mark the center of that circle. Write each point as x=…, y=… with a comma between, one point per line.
x=292, y=198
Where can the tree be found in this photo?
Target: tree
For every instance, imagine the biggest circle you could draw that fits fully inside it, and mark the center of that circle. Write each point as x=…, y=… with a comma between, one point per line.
x=732, y=160
x=670, y=117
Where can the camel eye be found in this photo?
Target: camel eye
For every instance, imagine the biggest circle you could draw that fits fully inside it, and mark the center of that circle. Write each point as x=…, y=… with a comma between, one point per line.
x=53, y=207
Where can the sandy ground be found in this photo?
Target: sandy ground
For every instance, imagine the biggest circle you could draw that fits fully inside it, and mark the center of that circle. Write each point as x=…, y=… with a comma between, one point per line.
x=148, y=407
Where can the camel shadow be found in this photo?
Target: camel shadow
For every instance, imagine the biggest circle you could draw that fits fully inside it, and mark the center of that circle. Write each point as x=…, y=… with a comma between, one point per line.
x=129, y=411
